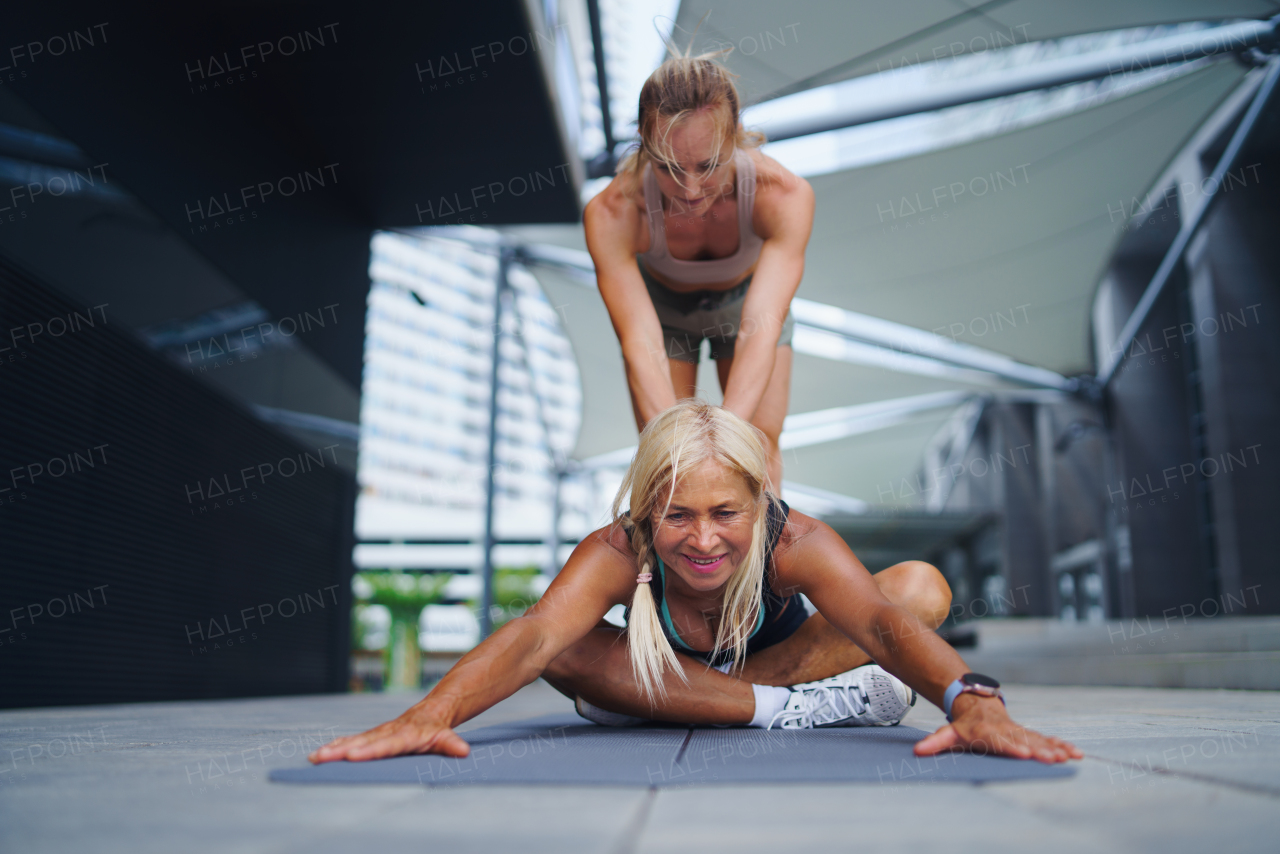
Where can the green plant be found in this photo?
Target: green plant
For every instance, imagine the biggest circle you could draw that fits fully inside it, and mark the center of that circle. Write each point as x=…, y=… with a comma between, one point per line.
x=513, y=593
x=404, y=595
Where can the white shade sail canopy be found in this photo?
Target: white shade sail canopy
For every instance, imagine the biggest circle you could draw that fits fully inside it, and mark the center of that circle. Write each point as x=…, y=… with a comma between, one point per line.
x=997, y=243
x=781, y=48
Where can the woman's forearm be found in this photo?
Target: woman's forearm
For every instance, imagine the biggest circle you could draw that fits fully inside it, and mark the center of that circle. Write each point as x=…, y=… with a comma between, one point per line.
x=749, y=376
x=914, y=653
x=503, y=664
x=649, y=379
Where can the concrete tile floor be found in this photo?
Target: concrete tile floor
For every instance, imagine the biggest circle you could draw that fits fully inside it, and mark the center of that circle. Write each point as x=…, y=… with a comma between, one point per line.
x=1167, y=770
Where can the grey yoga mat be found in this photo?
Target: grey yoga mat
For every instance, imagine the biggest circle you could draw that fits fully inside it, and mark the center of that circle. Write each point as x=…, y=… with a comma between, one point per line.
x=564, y=749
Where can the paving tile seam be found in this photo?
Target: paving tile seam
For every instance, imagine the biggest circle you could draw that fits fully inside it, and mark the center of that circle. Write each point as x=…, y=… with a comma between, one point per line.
x=629, y=842
x=684, y=745
x=1136, y=736
x=1199, y=717
x=1252, y=788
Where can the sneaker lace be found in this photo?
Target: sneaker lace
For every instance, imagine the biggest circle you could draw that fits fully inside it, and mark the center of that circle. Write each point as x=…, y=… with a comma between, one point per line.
x=814, y=700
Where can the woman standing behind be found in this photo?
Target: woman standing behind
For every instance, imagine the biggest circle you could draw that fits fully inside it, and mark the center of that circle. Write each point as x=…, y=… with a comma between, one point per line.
x=702, y=236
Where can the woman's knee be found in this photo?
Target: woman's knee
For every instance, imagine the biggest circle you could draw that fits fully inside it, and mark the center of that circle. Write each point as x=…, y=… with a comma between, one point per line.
x=920, y=588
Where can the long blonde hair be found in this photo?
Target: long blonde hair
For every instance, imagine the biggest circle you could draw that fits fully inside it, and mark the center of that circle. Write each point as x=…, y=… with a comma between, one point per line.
x=677, y=89
x=671, y=445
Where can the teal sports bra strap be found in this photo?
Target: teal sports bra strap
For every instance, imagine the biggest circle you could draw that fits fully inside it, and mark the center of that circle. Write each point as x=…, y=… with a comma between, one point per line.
x=666, y=614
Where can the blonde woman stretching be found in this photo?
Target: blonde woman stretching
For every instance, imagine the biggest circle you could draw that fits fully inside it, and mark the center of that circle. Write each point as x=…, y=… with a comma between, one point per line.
x=711, y=567
x=701, y=236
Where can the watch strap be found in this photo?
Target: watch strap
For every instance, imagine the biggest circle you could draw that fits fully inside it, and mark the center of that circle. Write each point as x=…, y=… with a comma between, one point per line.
x=953, y=691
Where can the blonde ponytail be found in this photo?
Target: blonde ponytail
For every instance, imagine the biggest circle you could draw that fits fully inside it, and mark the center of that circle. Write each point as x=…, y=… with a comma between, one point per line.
x=650, y=651
x=677, y=441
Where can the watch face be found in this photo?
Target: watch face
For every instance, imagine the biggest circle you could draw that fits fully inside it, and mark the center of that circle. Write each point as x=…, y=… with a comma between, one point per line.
x=979, y=679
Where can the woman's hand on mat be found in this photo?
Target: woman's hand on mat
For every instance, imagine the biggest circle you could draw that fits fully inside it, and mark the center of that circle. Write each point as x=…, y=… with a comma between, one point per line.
x=408, y=734
x=983, y=726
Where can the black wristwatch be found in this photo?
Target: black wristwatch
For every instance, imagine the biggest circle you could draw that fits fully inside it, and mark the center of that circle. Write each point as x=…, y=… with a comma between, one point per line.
x=970, y=683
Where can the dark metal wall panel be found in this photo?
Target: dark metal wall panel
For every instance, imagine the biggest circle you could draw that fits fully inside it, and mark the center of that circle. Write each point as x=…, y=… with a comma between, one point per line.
x=1234, y=316
x=1150, y=416
x=156, y=541
x=1024, y=556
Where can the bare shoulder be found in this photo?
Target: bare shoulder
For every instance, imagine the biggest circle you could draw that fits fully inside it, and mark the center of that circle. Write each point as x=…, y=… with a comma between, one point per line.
x=800, y=528
x=614, y=215
x=604, y=562
x=615, y=540
x=784, y=202
x=804, y=543
x=776, y=183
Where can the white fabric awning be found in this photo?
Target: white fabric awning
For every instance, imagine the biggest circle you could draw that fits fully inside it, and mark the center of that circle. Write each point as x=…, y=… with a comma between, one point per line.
x=1011, y=269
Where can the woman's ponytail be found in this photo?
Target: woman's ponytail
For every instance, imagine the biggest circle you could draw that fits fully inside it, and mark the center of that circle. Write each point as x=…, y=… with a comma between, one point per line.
x=650, y=651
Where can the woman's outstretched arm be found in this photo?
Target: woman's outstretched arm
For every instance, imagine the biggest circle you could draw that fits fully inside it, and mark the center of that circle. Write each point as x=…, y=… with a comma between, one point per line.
x=610, y=221
x=595, y=578
x=784, y=218
x=820, y=564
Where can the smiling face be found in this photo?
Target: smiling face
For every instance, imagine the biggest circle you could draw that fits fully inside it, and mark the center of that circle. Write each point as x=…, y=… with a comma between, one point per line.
x=701, y=168
x=706, y=532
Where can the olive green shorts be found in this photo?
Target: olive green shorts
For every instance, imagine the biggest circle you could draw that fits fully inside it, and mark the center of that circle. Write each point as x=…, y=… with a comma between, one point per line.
x=714, y=315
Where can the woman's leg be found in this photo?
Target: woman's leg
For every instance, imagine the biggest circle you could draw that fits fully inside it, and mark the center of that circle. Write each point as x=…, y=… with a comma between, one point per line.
x=598, y=670
x=818, y=649
x=772, y=410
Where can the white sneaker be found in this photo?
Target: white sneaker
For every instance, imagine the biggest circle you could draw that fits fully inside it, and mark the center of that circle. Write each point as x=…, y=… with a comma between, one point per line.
x=597, y=715
x=864, y=696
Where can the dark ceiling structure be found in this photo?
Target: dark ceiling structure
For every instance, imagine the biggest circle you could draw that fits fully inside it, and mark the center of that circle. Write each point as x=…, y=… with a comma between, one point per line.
x=274, y=137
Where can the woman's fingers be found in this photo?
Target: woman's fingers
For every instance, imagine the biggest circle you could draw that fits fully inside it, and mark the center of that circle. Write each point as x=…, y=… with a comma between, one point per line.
x=395, y=738
x=451, y=744
x=1000, y=738
x=1005, y=738
x=941, y=741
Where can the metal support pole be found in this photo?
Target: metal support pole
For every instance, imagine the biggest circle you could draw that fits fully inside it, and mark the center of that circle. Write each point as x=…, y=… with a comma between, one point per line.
x=1046, y=460
x=559, y=465
x=553, y=534
x=501, y=294
x=603, y=163
x=1173, y=257
x=1211, y=44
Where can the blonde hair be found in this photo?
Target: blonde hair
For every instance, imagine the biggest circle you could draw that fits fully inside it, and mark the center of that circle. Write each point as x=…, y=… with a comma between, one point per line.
x=680, y=87
x=671, y=445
